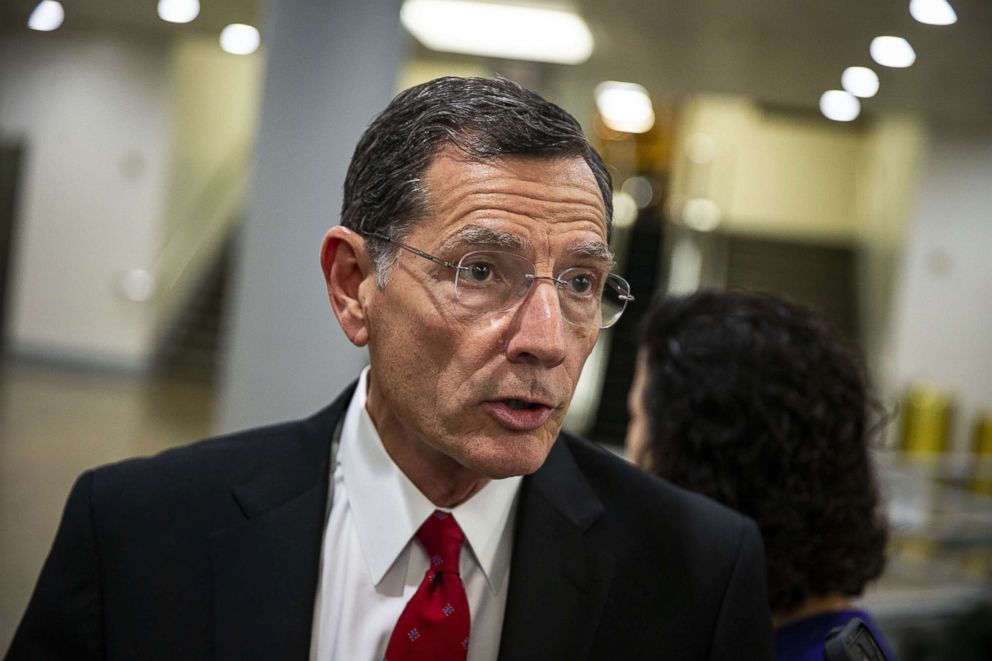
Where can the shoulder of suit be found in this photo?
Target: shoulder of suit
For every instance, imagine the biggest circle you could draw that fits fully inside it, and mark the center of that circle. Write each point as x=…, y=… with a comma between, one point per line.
x=145, y=490
x=194, y=489
x=627, y=489
x=222, y=461
x=221, y=448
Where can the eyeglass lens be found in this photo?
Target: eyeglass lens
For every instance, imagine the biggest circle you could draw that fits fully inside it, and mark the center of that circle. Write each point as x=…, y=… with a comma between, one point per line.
x=497, y=281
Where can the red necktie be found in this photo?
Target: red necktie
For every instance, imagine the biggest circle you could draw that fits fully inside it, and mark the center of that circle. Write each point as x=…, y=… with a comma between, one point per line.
x=435, y=623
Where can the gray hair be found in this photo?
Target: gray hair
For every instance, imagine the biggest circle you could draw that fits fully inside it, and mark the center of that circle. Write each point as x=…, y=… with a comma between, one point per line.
x=485, y=118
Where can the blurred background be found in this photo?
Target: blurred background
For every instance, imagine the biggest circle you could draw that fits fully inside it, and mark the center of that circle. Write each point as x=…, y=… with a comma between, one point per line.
x=168, y=169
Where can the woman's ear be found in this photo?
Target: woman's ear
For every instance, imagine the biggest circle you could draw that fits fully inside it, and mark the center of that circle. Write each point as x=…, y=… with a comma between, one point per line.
x=346, y=266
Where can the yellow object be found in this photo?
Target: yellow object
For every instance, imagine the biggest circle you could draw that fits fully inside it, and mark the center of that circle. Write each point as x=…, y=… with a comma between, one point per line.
x=982, y=447
x=928, y=416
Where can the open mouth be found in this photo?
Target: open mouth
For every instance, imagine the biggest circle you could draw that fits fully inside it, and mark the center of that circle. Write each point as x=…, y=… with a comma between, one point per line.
x=522, y=405
x=519, y=414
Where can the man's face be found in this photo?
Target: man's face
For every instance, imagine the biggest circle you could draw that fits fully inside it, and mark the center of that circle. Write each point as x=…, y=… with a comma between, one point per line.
x=487, y=392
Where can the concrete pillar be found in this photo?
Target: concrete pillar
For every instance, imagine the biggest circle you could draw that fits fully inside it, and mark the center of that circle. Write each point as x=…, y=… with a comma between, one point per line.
x=330, y=67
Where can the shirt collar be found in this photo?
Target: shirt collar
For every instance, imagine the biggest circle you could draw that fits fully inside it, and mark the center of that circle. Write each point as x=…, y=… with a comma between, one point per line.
x=387, y=509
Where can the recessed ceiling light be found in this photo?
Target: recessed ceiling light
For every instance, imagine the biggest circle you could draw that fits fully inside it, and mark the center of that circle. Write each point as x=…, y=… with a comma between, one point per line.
x=510, y=31
x=47, y=16
x=138, y=285
x=860, y=81
x=624, y=209
x=178, y=11
x=240, y=39
x=640, y=190
x=839, y=106
x=933, y=12
x=701, y=214
x=892, y=52
x=625, y=107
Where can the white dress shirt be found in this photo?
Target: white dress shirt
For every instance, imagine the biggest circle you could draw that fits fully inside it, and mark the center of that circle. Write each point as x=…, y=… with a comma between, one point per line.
x=371, y=562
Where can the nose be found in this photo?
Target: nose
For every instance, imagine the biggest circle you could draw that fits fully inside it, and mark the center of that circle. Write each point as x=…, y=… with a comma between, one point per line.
x=539, y=332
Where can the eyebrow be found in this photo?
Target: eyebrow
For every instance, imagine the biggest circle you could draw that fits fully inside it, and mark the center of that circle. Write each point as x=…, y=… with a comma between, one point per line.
x=476, y=236
x=593, y=249
x=486, y=237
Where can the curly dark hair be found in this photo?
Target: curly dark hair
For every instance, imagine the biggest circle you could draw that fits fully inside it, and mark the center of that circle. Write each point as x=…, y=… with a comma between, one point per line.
x=762, y=405
x=485, y=118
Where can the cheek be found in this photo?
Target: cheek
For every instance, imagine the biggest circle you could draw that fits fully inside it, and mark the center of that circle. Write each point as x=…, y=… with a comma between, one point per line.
x=578, y=354
x=469, y=360
x=404, y=349
x=442, y=360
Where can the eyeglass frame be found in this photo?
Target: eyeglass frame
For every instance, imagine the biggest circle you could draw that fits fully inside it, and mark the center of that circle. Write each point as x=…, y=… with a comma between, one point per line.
x=626, y=298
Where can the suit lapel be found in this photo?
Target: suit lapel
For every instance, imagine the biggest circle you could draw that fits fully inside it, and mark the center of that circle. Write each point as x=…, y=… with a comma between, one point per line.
x=266, y=565
x=558, y=578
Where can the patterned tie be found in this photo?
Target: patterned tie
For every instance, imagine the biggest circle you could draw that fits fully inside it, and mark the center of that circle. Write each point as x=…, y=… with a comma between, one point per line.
x=435, y=623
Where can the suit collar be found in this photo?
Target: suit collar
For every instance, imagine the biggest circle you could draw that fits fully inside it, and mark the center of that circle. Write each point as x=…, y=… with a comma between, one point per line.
x=266, y=565
x=559, y=577
x=561, y=483
x=284, y=475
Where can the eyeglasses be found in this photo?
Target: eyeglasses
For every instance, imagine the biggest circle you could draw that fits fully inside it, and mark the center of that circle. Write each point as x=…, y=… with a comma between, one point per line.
x=496, y=281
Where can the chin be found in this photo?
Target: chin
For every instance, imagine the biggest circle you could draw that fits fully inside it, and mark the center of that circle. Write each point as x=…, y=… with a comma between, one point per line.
x=499, y=465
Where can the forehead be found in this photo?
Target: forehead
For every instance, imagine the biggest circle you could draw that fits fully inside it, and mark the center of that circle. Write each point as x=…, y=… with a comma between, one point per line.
x=535, y=197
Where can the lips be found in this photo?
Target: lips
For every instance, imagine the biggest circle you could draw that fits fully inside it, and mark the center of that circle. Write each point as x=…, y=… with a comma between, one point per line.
x=518, y=413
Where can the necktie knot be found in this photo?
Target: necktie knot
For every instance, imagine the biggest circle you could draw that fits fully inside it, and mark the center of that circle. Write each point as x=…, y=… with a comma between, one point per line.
x=436, y=621
x=442, y=539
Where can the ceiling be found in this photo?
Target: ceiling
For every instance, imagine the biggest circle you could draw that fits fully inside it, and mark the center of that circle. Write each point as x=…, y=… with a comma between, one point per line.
x=781, y=52
x=789, y=52
x=138, y=17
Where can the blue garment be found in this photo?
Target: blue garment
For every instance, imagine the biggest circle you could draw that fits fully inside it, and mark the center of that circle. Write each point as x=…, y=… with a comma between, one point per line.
x=804, y=640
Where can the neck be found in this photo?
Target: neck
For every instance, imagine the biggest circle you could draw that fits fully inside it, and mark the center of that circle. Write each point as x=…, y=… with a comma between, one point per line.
x=829, y=603
x=441, y=479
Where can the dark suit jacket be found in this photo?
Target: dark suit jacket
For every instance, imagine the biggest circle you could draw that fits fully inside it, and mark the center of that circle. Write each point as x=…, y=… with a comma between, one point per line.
x=212, y=551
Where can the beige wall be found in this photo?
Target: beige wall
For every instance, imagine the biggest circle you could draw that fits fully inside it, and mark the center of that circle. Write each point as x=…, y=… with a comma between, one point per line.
x=215, y=120
x=942, y=321
x=769, y=174
x=93, y=112
x=798, y=177
x=888, y=179
x=136, y=158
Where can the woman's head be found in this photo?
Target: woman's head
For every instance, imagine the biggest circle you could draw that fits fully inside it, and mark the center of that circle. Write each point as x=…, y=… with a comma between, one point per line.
x=761, y=404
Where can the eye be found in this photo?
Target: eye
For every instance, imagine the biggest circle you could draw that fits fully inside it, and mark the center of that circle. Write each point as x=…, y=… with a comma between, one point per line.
x=480, y=271
x=581, y=282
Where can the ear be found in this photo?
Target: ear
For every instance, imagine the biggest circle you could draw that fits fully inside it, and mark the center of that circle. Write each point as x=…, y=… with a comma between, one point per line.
x=346, y=267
